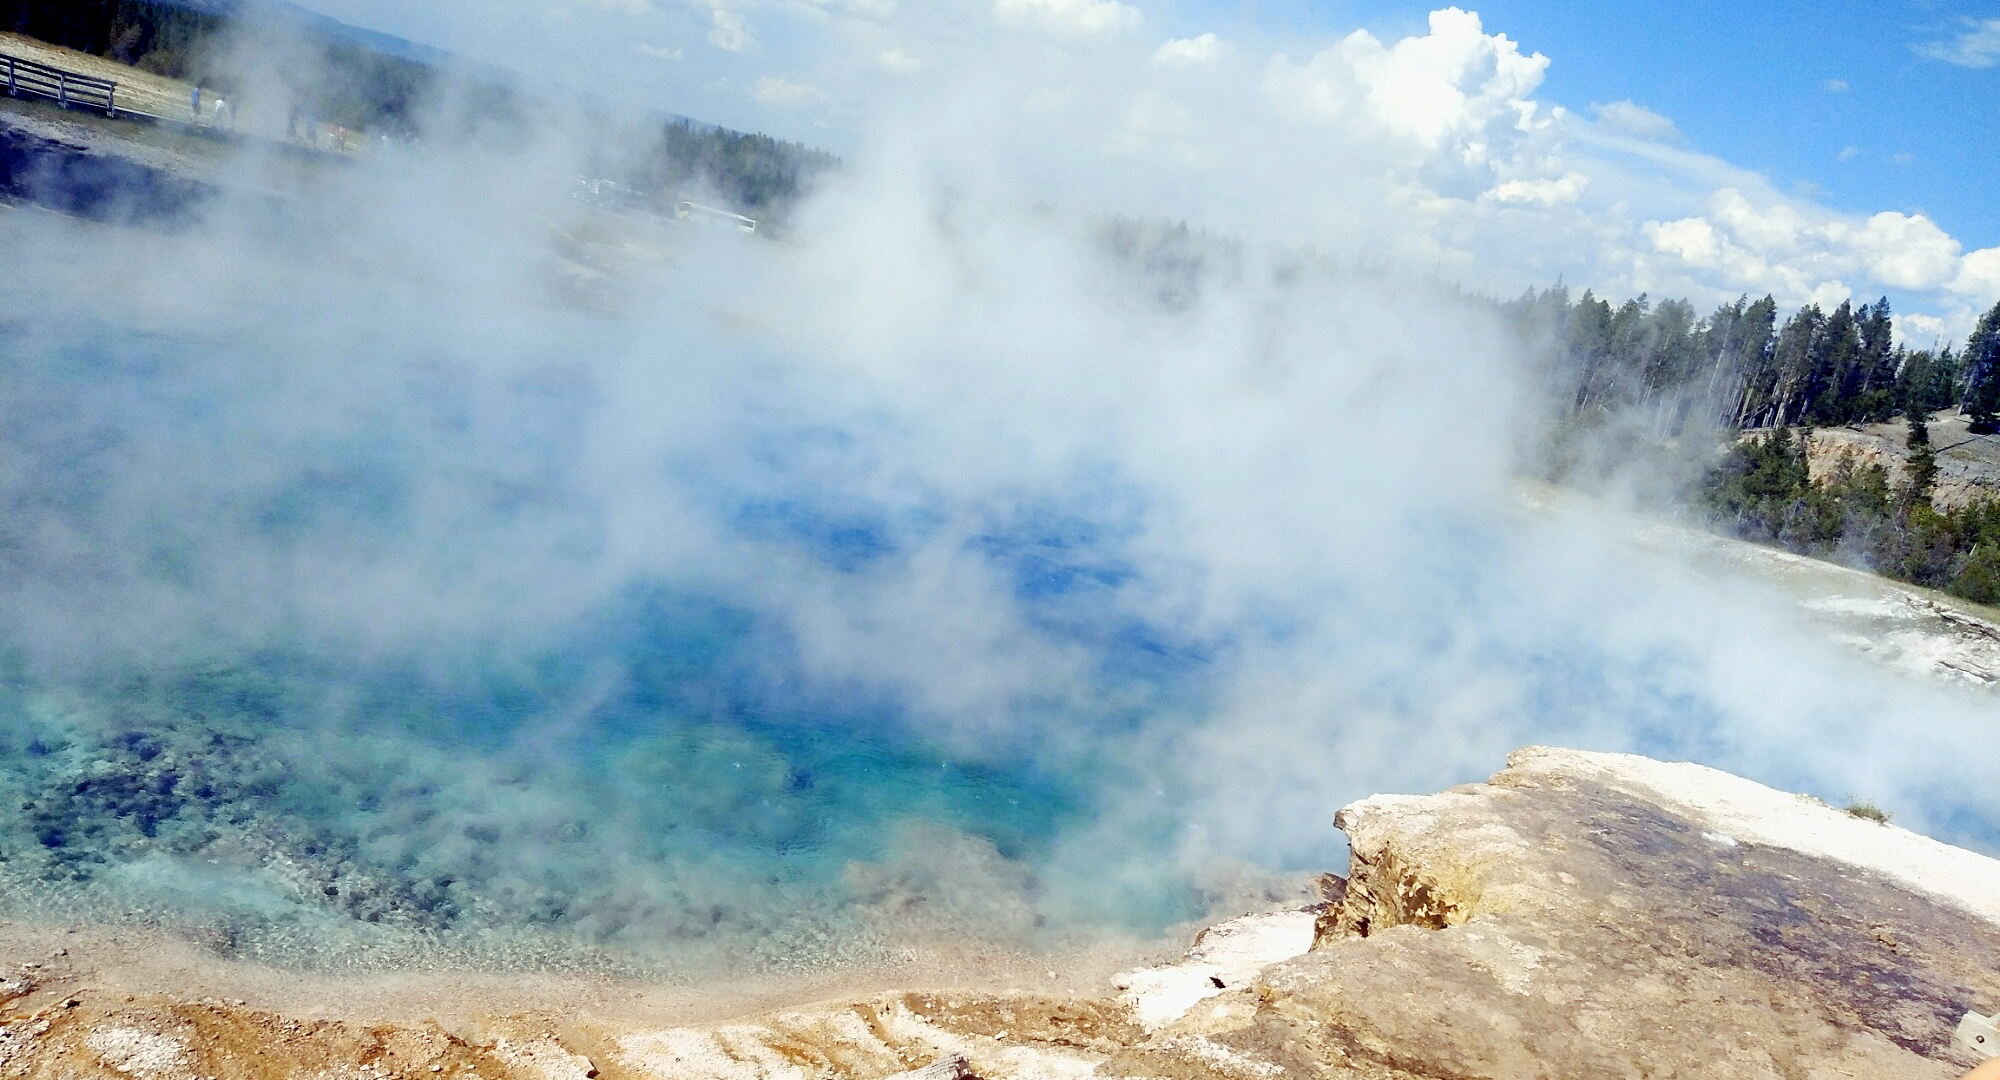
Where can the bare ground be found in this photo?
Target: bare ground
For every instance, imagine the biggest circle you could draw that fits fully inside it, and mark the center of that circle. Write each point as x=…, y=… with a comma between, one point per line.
x=1968, y=464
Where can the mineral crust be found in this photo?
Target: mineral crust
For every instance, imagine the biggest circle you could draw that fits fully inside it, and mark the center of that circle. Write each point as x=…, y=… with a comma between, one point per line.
x=1579, y=915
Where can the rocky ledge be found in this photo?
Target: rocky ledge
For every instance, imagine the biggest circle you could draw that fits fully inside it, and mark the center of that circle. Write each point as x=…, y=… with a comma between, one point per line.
x=1606, y=915
x=1580, y=915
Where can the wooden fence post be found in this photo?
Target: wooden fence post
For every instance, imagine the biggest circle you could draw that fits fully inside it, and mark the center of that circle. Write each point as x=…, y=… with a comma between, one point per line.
x=111, y=101
x=62, y=89
x=13, y=88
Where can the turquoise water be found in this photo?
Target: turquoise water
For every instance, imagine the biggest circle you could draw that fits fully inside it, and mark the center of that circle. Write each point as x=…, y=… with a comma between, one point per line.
x=679, y=818
x=194, y=731
x=357, y=626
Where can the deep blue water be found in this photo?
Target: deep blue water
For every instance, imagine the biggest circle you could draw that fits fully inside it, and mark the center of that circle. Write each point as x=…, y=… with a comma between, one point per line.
x=335, y=643
x=650, y=770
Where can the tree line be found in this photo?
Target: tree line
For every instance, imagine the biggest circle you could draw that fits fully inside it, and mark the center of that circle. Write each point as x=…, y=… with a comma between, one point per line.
x=165, y=38
x=759, y=174
x=1762, y=387
x=1738, y=368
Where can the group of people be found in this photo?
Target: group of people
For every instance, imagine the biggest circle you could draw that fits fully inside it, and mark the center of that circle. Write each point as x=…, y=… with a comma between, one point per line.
x=218, y=114
x=206, y=107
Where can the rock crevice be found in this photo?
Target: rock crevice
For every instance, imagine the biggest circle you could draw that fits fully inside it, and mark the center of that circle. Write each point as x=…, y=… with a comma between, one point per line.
x=1389, y=886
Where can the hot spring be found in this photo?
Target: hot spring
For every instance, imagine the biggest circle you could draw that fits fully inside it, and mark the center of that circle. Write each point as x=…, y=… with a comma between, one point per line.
x=447, y=575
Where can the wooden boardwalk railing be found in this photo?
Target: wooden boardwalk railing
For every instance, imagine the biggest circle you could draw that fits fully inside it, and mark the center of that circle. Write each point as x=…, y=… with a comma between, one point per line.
x=65, y=88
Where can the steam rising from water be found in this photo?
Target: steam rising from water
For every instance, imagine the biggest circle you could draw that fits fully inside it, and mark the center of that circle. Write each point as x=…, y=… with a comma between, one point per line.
x=442, y=561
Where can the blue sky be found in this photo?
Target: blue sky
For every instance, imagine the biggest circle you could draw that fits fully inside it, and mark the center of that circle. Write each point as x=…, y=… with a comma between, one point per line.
x=1844, y=100
x=1788, y=89
x=1701, y=149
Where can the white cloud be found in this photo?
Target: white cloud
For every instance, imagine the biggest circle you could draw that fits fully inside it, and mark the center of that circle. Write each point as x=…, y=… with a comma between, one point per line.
x=1457, y=81
x=1976, y=46
x=1835, y=86
x=1921, y=330
x=782, y=93
x=1635, y=120
x=874, y=9
x=1694, y=240
x=1772, y=226
x=1473, y=166
x=1907, y=251
x=1437, y=148
x=1068, y=17
x=1797, y=251
x=660, y=53
x=729, y=32
x=1567, y=188
x=1829, y=294
x=1979, y=275
x=627, y=7
x=1194, y=50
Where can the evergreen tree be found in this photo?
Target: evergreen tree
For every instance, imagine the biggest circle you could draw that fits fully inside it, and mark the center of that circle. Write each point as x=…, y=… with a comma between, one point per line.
x=1833, y=369
x=1759, y=482
x=1923, y=461
x=1630, y=352
x=167, y=36
x=1913, y=378
x=1927, y=382
x=1752, y=349
x=1947, y=382
x=1874, y=395
x=1978, y=579
x=1795, y=357
x=1589, y=345
x=1982, y=371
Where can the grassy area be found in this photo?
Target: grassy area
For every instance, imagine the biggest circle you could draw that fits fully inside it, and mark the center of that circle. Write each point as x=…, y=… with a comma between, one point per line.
x=138, y=89
x=1868, y=811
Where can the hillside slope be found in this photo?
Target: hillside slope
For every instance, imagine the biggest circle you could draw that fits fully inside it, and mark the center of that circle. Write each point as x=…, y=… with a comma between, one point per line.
x=1968, y=463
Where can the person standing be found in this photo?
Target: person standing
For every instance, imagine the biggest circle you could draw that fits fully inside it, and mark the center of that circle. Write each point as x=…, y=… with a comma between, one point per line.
x=194, y=103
